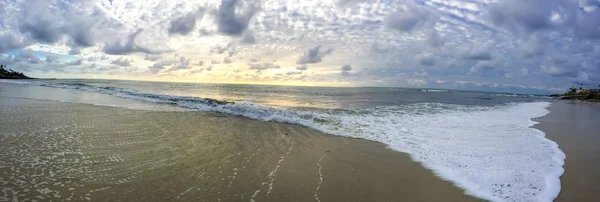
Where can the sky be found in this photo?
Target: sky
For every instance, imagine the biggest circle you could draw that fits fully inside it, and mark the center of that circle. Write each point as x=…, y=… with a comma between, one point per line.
x=524, y=46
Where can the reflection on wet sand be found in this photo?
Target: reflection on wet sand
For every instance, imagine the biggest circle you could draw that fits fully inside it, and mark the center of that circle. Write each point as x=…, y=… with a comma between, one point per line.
x=78, y=152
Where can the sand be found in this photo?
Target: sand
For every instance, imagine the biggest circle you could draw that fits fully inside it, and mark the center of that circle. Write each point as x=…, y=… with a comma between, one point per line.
x=67, y=151
x=575, y=126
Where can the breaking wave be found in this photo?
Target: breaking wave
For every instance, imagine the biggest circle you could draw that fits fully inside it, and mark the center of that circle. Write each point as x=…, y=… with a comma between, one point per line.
x=491, y=152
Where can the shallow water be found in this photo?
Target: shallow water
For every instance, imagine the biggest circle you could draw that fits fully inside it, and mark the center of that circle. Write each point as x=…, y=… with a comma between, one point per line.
x=482, y=142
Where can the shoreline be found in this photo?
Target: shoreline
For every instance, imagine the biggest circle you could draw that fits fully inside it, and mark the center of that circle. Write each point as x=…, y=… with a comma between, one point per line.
x=573, y=125
x=124, y=153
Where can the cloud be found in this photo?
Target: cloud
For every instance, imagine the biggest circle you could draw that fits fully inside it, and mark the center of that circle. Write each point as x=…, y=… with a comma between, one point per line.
x=534, y=47
x=183, y=63
x=52, y=59
x=229, y=49
x=200, y=63
x=75, y=62
x=152, y=57
x=263, y=66
x=425, y=59
x=229, y=22
x=524, y=71
x=127, y=46
x=554, y=16
x=346, y=70
x=588, y=24
x=301, y=67
x=185, y=24
x=248, y=38
x=556, y=71
x=378, y=48
x=123, y=62
x=433, y=38
x=423, y=73
x=292, y=73
x=406, y=20
x=314, y=55
x=10, y=42
x=159, y=66
x=227, y=61
x=485, y=65
x=44, y=31
x=517, y=15
x=478, y=52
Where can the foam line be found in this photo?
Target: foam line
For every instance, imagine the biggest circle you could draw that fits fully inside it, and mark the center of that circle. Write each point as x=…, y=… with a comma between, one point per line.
x=491, y=152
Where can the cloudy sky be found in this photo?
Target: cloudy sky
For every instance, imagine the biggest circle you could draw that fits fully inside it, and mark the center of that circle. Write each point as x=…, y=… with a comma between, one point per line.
x=507, y=45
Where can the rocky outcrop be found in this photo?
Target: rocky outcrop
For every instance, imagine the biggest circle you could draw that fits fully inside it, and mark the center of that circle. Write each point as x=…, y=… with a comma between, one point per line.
x=11, y=74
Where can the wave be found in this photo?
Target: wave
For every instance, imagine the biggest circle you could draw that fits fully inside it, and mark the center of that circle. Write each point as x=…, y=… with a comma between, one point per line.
x=491, y=152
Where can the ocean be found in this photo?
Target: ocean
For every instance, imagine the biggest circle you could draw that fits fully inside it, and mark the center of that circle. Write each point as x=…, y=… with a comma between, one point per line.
x=481, y=141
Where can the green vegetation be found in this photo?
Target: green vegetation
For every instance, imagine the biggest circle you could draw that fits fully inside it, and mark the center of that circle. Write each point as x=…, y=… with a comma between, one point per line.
x=592, y=95
x=11, y=74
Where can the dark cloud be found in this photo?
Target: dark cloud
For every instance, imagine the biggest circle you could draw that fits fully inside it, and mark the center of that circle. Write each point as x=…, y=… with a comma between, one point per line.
x=158, y=66
x=227, y=61
x=228, y=49
x=42, y=30
x=196, y=71
x=346, y=68
x=406, y=20
x=200, y=63
x=559, y=16
x=49, y=24
x=433, y=38
x=426, y=59
x=75, y=62
x=314, y=55
x=52, y=59
x=10, y=42
x=82, y=35
x=378, y=48
x=248, y=38
x=185, y=24
x=478, y=52
x=292, y=73
x=229, y=22
x=263, y=66
x=123, y=62
x=485, y=65
x=301, y=68
x=127, y=46
x=588, y=25
x=534, y=47
x=152, y=57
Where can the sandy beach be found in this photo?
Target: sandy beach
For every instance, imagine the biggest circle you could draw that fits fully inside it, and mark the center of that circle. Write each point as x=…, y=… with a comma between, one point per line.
x=575, y=126
x=66, y=151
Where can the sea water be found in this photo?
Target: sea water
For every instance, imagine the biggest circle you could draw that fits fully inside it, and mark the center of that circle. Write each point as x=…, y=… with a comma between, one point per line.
x=482, y=142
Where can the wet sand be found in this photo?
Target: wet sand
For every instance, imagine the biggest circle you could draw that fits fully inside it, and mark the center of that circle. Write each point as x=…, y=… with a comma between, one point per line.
x=65, y=151
x=575, y=126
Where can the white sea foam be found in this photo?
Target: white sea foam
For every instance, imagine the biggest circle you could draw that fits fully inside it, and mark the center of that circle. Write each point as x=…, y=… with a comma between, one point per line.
x=433, y=90
x=491, y=152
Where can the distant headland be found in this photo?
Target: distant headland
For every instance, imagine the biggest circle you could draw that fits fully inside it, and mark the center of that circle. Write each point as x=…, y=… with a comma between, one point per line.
x=592, y=95
x=11, y=74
